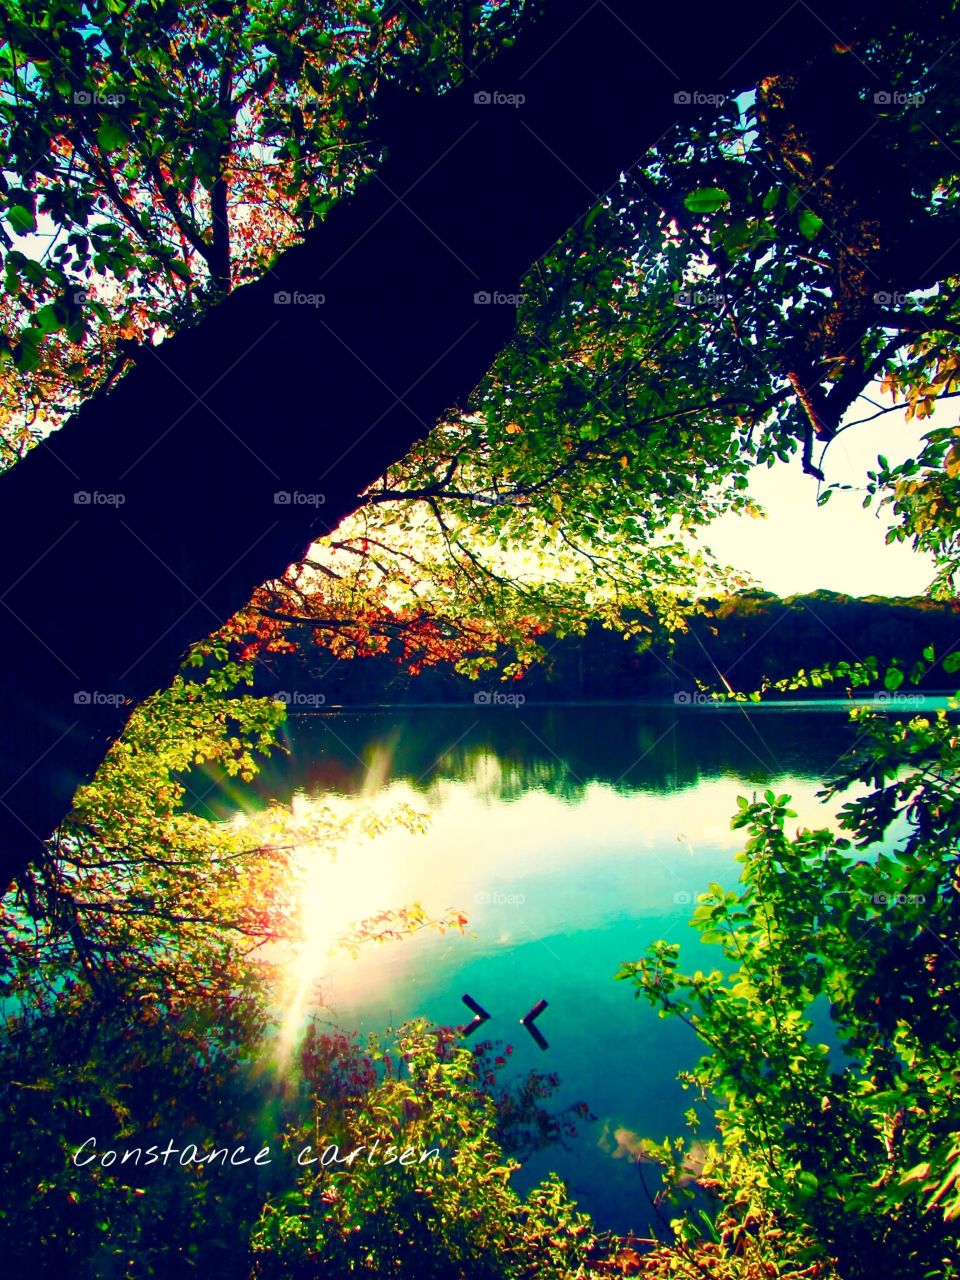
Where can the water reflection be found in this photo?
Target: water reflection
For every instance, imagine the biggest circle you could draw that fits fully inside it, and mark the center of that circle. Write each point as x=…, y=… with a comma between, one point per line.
x=557, y=749
x=571, y=838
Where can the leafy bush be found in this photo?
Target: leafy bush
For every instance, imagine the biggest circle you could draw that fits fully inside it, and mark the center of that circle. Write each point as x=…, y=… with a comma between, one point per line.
x=851, y=1146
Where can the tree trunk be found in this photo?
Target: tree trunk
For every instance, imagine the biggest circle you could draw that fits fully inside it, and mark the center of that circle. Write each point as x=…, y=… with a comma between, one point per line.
x=149, y=518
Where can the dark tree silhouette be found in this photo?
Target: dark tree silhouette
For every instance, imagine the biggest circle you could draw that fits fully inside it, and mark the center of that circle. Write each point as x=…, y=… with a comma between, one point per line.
x=103, y=599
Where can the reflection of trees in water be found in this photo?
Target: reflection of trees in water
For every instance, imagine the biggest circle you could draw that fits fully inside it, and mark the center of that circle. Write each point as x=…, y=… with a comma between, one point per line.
x=498, y=779
x=342, y=1072
x=561, y=750
x=525, y=1123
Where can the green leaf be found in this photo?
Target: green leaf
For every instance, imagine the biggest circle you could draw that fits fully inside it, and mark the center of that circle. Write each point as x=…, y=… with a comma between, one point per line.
x=112, y=136
x=27, y=350
x=709, y=1224
x=592, y=216
x=706, y=200
x=21, y=219
x=951, y=663
x=46, y=320
x=809, y=224
x=893, y=679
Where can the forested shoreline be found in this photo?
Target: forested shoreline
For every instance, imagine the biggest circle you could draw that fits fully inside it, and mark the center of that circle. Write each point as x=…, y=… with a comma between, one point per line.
x=744, y=638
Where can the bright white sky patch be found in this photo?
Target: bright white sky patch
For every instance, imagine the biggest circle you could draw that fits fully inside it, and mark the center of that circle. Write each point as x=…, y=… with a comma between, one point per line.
x=801, y=547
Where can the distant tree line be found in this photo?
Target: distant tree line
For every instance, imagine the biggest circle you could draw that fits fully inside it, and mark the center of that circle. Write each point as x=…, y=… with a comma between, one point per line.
x=744, y=639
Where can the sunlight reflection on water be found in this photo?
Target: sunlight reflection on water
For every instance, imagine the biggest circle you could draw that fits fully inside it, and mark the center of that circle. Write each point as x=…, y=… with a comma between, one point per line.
x=561, y=884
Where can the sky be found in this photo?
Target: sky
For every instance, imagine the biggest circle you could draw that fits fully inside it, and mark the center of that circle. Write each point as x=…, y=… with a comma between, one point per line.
x=801, y=547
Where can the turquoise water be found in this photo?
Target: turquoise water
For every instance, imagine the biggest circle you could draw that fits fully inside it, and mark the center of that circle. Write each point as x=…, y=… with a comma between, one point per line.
x=571, y=837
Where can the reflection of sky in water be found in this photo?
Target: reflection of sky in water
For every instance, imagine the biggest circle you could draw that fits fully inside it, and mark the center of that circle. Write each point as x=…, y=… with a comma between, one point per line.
x=559, y=893
x=571, y=838
x=534, y=866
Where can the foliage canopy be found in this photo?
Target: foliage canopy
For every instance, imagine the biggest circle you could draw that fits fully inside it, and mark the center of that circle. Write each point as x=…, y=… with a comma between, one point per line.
x=728, y=303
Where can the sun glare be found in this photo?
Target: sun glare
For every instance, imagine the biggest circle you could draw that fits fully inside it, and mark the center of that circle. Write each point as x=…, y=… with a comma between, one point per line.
x=338, y=885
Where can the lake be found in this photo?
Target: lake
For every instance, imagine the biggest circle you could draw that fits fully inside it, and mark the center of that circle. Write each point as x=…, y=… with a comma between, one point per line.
x=571, y=836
